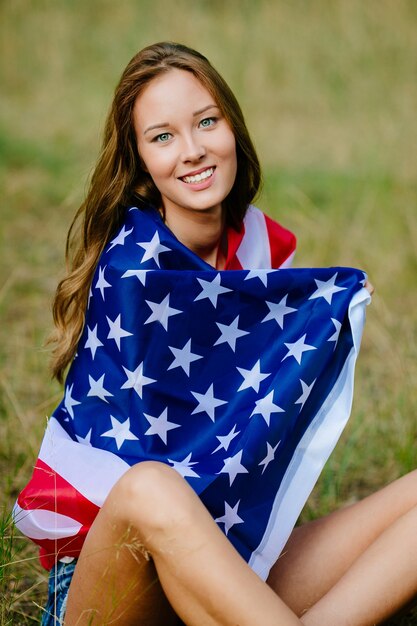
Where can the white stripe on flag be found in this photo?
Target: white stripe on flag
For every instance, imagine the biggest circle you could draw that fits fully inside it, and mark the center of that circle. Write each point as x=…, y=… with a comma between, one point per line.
x=254, y=250
x=91, y=471
x=41, y=524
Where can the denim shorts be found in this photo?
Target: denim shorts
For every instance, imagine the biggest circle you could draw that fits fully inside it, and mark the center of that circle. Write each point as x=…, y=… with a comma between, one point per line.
x=59, y=581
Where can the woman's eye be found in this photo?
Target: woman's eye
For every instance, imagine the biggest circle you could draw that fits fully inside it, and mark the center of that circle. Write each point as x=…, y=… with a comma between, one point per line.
x=163, y=137
x=208, y=121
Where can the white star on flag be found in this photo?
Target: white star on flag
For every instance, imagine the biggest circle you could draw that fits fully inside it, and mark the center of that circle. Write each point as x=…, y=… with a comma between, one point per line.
x=97, y=388
x=93, y=342
x=230, y=517
x=184, y=467
x=120, y=431
x=102, y=283
x=252, y=378
x=270, y=455
x=306, y=392
x=160, y=425
x=207, y=403
x=335, y=336
x=116, y=331
x=85, y=440
x=69, y=401
x=211, y=290
x=225, y=440
x=277, y=311
x=120, y=239
x=161, y=312
x=153, y=249
x=298, y=348
x=140, y=275
x=233, y=467
x=183, y=357
x=326, y=289
x=261, y=274
x=136, y=380
x=230, y=333
x=265, y=406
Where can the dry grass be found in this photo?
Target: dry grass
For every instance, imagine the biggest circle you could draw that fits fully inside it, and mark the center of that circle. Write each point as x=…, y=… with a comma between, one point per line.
x=328, y=88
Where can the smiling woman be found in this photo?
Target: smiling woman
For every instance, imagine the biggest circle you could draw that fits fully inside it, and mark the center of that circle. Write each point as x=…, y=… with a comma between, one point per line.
x=190, y=156
x=167, y=487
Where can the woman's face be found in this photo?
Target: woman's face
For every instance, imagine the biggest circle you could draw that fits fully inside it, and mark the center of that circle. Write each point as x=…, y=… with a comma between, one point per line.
x=185, y=143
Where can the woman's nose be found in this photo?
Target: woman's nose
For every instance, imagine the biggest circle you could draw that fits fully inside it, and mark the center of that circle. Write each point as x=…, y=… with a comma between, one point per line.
x=192, y=149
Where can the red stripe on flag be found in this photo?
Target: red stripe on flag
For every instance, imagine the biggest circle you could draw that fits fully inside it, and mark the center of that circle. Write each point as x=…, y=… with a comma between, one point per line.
x=49, y=491
x=282, y=242
x=234, y=239
x=51, y=550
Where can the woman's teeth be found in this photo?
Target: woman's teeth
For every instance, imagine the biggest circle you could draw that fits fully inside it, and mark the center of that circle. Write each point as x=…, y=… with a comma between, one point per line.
x=197, y=178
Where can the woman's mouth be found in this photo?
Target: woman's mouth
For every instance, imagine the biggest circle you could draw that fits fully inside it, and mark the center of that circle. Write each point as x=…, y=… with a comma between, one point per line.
x=200, y=177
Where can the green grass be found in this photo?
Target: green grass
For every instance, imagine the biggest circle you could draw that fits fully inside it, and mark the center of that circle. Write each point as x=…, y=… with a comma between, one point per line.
x=329, y=91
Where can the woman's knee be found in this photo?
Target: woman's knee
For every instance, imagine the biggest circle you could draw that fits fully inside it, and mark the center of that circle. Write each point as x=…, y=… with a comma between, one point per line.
x=152, y=497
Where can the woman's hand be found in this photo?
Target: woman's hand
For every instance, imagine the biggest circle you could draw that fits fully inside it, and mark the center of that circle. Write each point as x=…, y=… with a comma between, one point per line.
x=369, y=287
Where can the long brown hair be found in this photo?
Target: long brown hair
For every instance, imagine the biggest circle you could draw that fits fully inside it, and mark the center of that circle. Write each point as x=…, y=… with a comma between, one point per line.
x=119, y=177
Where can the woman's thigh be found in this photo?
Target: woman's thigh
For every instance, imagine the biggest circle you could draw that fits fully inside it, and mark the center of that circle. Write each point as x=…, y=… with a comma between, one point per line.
x=115, y=580
x=318, y=553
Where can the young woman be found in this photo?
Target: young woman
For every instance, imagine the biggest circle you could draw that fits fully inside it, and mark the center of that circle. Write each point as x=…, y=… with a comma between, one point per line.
x=178, y=170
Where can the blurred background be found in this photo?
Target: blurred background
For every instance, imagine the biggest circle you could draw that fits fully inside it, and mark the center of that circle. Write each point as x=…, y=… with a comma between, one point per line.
x=329, y=93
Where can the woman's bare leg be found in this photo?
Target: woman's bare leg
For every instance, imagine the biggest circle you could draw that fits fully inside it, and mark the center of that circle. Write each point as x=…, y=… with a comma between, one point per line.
x=319, y=553
x=381, y=581
x=115, y=581
x=208, y=583
x=152, y=509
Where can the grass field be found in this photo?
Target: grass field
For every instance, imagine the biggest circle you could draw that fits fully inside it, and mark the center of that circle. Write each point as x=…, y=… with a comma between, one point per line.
x=329, y=91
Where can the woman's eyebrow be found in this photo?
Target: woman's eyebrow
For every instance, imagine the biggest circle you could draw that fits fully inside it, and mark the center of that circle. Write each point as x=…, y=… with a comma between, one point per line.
x=195, y=114
x=154, y=126
x=209, y=106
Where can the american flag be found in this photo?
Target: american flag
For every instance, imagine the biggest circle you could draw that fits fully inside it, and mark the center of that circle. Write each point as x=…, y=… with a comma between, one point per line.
x=241, y=380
